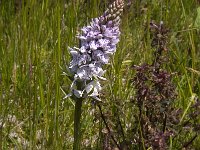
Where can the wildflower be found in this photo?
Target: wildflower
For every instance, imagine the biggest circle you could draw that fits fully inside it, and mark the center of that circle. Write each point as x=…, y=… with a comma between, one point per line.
x=97, y=43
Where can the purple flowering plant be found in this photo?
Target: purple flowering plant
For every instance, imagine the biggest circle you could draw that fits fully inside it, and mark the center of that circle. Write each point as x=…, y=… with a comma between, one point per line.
x=97, y=43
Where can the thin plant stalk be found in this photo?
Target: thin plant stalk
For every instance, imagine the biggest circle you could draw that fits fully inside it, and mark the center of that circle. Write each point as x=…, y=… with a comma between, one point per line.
x=77, y=124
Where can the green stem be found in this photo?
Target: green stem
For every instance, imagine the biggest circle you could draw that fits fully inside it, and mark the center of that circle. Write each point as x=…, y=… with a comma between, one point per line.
x=77, y=124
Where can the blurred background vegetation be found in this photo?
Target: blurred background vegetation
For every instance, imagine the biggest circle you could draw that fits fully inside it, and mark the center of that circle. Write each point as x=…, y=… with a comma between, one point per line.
x=34, y=40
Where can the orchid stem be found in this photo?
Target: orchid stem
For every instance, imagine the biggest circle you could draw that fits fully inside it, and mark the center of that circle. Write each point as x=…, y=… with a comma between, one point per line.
x=77, y=124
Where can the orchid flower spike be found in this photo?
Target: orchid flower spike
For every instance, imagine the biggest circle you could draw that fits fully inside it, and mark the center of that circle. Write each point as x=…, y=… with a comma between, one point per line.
x=97, y=43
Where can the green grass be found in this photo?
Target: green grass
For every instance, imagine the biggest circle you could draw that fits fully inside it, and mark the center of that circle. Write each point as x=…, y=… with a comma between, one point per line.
x=33, y=55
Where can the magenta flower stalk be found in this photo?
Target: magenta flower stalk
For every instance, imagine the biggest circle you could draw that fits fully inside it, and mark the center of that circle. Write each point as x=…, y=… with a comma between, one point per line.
x=97, y=44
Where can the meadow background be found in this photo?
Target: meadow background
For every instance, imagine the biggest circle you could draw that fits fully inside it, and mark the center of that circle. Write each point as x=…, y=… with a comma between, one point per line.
x=34, y=40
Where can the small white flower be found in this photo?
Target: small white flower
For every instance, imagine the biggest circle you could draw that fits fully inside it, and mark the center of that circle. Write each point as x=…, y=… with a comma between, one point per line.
x=93, y=88
x=83, y=73
x=83, y=59
x=93, y=45
x=78, y=93
x=103, y=43
x=100, y=56
x=83, y=49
